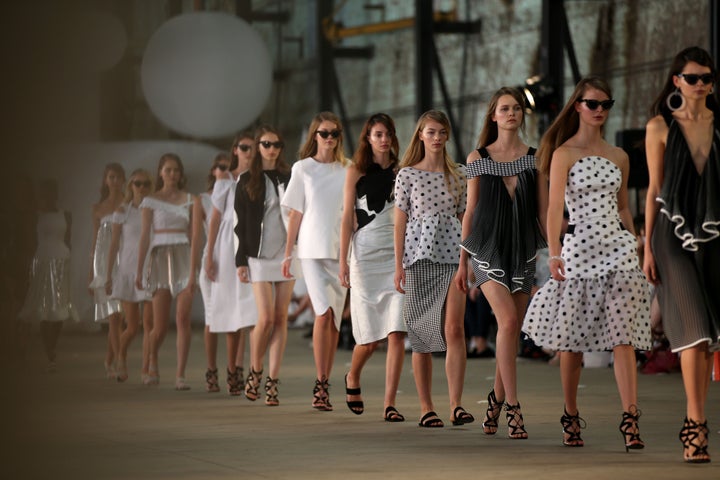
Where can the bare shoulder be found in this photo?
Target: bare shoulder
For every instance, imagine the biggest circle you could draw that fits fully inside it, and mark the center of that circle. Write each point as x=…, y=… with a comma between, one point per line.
x=656, y=127
x=473, y=156
x=618, y=156
x=565, y=156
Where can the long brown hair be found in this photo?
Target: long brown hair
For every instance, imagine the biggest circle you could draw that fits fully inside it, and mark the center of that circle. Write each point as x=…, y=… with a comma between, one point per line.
x=363, y=157
x=489, y=132
x=567, y=122
x=415, y=151
x=163, y=160
x=234, y=160
x=110, y=167
x=310, y=146
x=216, y=161
x=257, y=177
x=690, y=54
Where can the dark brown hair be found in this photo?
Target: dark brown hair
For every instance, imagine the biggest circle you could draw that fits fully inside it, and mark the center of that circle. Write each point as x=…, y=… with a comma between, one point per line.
x=489, y=132
x=257, y=177
x=363, y=156
x=110, y=167
x=163, y=160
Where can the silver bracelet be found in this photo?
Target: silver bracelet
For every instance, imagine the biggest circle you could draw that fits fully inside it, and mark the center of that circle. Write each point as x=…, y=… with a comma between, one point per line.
x=555, y=257
x=286, y=259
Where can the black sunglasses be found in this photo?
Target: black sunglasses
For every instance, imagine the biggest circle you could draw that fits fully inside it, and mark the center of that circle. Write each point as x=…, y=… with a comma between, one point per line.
x=222, y=167
x=267, y=144
x=140, y=183
x=326, y=134
x=594, y=104
x=692, y=78
x=243, y=147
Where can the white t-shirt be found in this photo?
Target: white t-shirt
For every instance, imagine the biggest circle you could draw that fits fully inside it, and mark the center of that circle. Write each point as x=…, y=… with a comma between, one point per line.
x=316, y=190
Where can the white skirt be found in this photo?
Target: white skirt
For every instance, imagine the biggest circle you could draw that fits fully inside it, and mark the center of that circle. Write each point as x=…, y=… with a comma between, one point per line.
x=323, y=285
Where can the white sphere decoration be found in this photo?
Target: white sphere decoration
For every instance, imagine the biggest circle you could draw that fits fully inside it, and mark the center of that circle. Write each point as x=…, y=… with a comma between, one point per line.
x=206, y=74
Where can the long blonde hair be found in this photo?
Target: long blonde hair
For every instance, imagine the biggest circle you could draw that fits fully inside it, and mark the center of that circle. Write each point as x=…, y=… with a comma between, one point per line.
x=415, y=151
x=567, y=122
x=128, y=186
x=310, y=146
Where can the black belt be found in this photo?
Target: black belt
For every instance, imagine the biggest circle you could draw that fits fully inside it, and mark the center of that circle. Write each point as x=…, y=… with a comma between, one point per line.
x=571, y=228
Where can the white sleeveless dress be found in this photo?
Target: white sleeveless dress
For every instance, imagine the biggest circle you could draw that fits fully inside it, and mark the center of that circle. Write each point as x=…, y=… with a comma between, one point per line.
x=124, y=289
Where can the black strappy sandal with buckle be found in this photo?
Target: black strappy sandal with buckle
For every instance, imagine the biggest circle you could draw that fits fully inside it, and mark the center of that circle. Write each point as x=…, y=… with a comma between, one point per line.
x=572, y=424
x=494, y=409
x=252, y=384
x=695, y=435
x=630, y=430
x=516, y=424
x=271, y=392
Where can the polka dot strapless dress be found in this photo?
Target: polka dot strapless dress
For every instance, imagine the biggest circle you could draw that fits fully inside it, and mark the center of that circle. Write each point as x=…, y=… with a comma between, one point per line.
x=604, y=299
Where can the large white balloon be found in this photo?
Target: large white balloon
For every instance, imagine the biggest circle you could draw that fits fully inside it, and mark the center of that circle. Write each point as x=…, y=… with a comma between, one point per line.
x=206, y=74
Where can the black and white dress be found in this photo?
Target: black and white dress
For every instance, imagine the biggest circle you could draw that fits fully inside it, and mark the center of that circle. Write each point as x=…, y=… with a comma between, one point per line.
x=505, y=233
x=432, y=251
x=686, y=243
x=604, y=300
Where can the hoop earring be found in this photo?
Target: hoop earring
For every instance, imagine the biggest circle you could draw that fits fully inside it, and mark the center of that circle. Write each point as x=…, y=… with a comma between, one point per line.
x=675, y=101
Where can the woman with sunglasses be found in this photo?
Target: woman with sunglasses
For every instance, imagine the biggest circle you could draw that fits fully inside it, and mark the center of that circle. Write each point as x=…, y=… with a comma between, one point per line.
x=201, y=219
x=171, y=271
x=376, y=307
x=597, y=298
x=107, y=310
x=261, y=249
x=120, y=282
x=502, y=232
x=430, y=197
x=682, y=223
x=314, y=197
x=232, y=306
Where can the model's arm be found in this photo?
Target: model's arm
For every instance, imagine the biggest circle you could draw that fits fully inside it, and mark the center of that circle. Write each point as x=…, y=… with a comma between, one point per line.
x=213, y=228
x=347, y=223
x=556, y=203
x=399, y=244
x=622, y=196
x=95, y=228
x=473, y=195
x=541, y=184
x=655, y=141
x=147, y=219
x=195, y=239
x=294, y=220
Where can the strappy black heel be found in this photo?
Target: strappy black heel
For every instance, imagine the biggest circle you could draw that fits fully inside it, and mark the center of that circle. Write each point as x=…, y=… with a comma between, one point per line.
x=234, y=381
x=695, y=435
x=271, y=392
x=516, y=424
x=321, y=395
x=252, y=384
x=572, y=424
x=494, y=409
x=355, y=406
x=211, y=380
x=630, y=430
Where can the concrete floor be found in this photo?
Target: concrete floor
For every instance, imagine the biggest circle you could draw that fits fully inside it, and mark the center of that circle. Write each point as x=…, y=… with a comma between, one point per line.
x=76, y=424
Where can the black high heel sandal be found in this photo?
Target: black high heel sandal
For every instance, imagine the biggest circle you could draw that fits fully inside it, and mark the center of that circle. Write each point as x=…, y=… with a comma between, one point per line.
x=695, y=435
x=234, y=380
x=516, y=424
x=355, y=406
x=252, y=384
x=630, y=430
x=271, y=392
x=572, y=424
x=211, y=380
x=492, y=415
x=321, y=396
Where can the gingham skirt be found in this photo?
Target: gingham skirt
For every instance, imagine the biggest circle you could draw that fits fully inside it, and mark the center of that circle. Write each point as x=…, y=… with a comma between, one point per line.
x=426, y=288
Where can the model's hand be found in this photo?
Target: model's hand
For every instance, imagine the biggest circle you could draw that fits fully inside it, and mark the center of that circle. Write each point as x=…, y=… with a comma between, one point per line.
x=139, y=282
x=649, y=267
x=344, y=274
x=243, y=274
x=108, y=286
x=400, y=279
x=286, y=267
x=461, y=278
x=210, y=267
x=557, y=268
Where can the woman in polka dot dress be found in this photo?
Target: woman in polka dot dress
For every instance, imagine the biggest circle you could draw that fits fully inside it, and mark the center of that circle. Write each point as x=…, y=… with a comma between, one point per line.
x=430, y=197
x=597, y=298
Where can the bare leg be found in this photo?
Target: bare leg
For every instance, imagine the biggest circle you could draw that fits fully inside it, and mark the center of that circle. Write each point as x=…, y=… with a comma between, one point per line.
x=161, y=319
x=260, y=334
x=570, y=369
x=361, y=354
x=325, y=338
x=422, y=371
x=240, y=358
x=278, y=339
x=456, y=355
x=211, y=342
x=696, y=365
x=147, y=318
x=132, y=320
x=625, y=368
x=184, y=334
x=393, y=366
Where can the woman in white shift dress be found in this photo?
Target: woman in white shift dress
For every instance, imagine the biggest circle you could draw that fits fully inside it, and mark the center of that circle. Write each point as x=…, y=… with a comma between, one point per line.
x=107, y=309
x=120, y=281
x=376, y=306
x=314, y=196
x=232, y=306
x=172, y=266
x=261, y=248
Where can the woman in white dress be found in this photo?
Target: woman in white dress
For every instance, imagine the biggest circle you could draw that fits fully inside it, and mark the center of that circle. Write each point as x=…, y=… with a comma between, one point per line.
x=120, y=281
x=261, y=246
x=107, y=309
x=172, y=265
x=48, y=301
x=314, y=197
x=232, y=306
x=367, y=220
